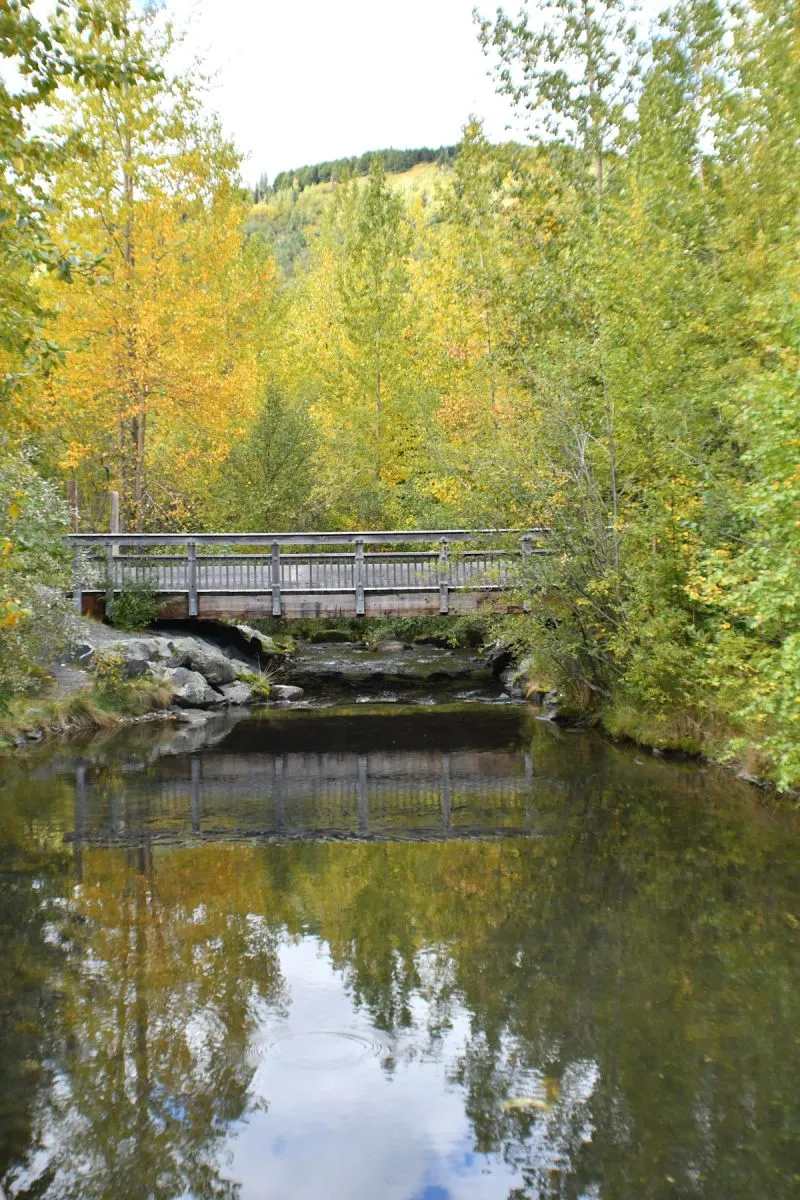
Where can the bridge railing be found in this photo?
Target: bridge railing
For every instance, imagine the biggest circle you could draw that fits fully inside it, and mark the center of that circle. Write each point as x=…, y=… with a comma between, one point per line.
x=301, y=564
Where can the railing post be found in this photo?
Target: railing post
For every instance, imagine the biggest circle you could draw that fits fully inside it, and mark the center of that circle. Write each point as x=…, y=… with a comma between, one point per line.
x=444, y=578
x=109, y=577
x=526, y=549
x=77, y=584
x=276, y=580
x=191, y=572
x=360, y=579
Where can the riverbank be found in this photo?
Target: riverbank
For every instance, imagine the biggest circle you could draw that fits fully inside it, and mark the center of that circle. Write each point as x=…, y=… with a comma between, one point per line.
x=107, y=678
x=111, y=679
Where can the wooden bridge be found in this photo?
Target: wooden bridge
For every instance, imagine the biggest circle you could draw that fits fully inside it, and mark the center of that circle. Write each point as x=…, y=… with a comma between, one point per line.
x=252, y=575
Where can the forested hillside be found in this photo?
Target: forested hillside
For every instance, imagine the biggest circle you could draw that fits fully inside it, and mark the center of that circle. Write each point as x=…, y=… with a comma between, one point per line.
x=394, y=161
x=597, y=332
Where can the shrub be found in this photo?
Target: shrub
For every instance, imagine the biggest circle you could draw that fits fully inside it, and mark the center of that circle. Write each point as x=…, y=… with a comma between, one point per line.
x=134, y=608
x=34, y=571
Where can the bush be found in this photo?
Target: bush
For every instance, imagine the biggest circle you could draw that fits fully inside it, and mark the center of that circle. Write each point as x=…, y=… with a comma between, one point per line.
x=34, y=572
x=134, y=608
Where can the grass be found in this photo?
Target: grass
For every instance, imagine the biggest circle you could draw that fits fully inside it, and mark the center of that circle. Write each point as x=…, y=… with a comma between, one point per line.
x=80, y=712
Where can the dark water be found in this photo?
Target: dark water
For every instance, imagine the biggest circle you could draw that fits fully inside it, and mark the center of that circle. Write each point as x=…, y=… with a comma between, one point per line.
x=430, y=954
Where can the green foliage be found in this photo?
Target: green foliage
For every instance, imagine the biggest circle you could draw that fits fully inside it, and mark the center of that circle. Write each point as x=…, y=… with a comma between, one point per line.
x=266, y=482
x=260, y=682
x=33, y=570
x=135, y=607
x=109, y=672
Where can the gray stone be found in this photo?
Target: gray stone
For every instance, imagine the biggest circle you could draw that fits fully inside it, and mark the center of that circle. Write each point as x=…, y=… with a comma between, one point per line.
x=210, y=662
x=285, y=691
x=238, y=693
x=263, y=641
x=390, y=647
x=191, y=689
x=135, y=668
x=82, y=653
x=499, y=658
x=242, y=668
x=192, y=716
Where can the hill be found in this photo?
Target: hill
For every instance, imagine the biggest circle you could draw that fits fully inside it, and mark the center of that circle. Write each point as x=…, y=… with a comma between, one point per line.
x=287, y=217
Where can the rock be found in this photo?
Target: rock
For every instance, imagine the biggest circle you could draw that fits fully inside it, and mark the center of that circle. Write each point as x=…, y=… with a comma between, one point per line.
x=499, y=658
x=285, y=691
x=135, y=668
x=329, y=635
x=191, y=689
x=192, y=717
x=258, y=641
x=238, y=693
x=207, y=660
x=82, y=653
x=390, y=647
x=242, y=668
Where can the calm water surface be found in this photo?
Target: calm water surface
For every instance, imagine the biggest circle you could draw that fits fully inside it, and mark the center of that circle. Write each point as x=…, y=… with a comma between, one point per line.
x=417, y=954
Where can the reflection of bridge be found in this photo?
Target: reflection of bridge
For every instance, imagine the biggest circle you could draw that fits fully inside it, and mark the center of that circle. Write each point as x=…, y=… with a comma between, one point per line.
x=406, y=794
x=304, y=574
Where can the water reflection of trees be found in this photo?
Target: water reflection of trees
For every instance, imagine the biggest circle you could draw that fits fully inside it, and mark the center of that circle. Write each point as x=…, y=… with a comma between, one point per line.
x=629, y=983
x=167, y=971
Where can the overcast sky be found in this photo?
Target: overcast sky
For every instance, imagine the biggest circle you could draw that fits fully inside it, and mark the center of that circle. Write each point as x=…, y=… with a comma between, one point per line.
x=303, y=82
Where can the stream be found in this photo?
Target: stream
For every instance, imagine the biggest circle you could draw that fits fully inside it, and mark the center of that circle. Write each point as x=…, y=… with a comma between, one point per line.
x=405, y=942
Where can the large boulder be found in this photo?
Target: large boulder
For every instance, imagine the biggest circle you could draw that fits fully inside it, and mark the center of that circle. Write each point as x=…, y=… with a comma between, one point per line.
x=207, y=660
x=238, y=693
x=191, y=689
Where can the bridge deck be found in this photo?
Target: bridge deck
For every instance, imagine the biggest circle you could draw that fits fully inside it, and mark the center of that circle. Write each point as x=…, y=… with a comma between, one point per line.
x=261, y=575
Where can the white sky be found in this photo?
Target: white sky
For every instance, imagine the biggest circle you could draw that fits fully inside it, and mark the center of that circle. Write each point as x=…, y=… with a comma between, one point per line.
x=303, y=82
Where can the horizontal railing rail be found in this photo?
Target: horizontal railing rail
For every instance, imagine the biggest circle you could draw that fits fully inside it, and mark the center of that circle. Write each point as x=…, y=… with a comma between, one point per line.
x=378, y=537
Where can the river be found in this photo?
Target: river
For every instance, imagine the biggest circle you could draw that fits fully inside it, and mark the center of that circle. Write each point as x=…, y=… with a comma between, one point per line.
x=393, y=952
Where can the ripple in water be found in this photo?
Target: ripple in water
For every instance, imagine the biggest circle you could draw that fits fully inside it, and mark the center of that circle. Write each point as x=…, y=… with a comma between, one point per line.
x=320, y=1049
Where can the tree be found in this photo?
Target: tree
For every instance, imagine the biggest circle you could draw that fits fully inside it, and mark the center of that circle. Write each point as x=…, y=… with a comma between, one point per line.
x=573, y=75
x=267, y=479
x=160, y=371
